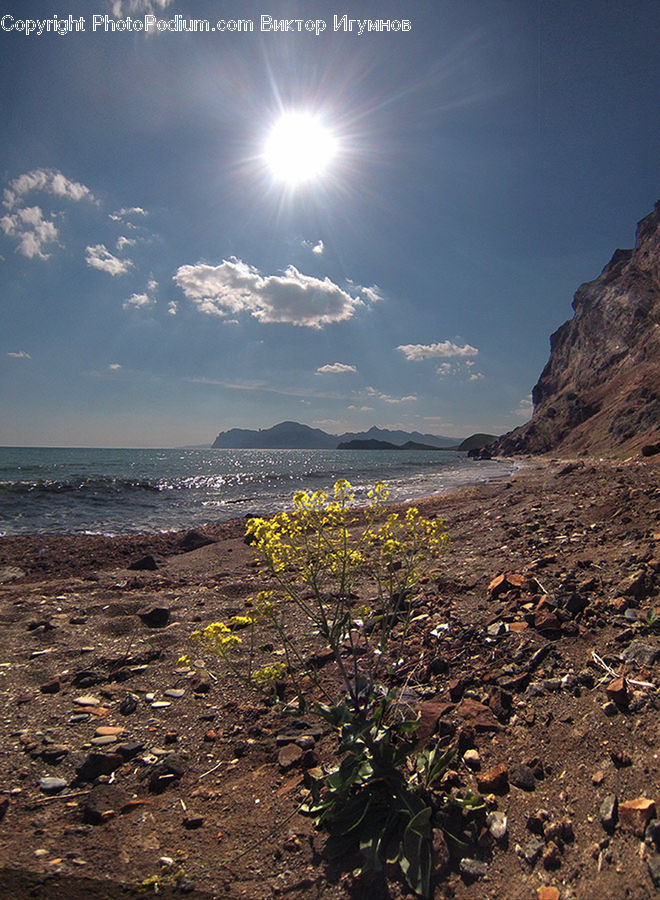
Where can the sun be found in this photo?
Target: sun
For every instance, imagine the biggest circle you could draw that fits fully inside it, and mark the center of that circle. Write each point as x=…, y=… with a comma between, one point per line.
x=299, y=148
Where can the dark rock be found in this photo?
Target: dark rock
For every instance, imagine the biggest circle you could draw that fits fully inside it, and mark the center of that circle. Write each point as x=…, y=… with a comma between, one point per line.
x=289, y=755
x=192, y=820
x=201, y=683
x=193, y=540
x=129, y=749
x=166, y=773
x=51, y=687
x=144, y=564
x=97, y=764
x=521, y=776
x=653, y=864
x=650, y=450
x=652, y=833
x=102, y=803
x=609, y=812
x=54, y=753
x=617, y=691
x=551, y=856
x=128, y=705
x=155, y=616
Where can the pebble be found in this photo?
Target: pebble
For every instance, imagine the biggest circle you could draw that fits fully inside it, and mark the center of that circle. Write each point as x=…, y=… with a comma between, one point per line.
x=175, y=693
x=51, y=784
x=289, y=755
x=128, y=705
x=609, y=812
x=103, y=802
x=473, y=868
x=532, y=850
x=551, y=856
x=521, y=776
x=641, y=653
x=86, y=700
x=494, y=781
x=160, y=704
x=472, y=760
x=103, y=740
x=497, y=825
x=634, y=815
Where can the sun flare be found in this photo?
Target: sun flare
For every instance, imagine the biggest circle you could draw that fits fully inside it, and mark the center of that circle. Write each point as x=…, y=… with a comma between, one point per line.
x=299, y=148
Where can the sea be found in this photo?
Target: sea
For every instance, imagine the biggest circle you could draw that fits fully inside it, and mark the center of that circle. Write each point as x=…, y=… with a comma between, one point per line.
x=113, y=492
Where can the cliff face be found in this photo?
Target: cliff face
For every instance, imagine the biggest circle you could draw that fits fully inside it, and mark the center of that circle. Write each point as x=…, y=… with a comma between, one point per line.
x=600, y=391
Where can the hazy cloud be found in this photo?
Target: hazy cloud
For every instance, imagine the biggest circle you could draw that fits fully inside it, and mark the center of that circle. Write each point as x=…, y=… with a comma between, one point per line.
x=336, y=369
x=49, y=180
x=445, y=369
x=19, y=354
x=126, y=212
x=387, y=398
x=123, y=242
x=372, y=294
x=99, y=257
x=114, y=367
x=477, y=376
x=525, y=408
x=292, y=298
x=446, y=349
x=172, y=307
x=31, y=231
x=318, y=248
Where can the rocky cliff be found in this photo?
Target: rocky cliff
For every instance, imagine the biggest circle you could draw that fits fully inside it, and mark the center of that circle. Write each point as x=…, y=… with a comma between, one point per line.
x=600, y=391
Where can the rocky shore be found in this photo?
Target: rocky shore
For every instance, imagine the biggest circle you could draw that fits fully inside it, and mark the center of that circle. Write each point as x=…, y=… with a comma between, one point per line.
x=535, y=649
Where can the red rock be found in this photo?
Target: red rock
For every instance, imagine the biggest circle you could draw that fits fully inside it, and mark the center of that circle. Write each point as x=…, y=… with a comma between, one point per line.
x=289, y=755
x=494, y=781
x=478, y=715
x=547, y=892
x=634, y=815
x=545, y=620
x=617, y=691
x=429, y=713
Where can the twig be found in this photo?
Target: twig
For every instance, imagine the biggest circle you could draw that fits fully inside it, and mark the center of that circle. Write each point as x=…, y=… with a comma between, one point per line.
x=61, y=797
x=601, y=662
x=217, y=766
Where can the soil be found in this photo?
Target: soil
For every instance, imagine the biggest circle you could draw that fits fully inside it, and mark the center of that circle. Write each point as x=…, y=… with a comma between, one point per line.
x=519, y=668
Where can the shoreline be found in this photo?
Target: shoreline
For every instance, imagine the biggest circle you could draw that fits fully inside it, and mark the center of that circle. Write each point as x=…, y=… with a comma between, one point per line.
x=80, y=622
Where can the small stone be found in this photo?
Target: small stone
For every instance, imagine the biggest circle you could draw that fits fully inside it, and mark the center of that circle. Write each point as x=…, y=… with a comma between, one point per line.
x=472, y=760
x=521, y=776
x=97, y=764
x=641, y=653
x=192, y=821
x=201, y=683
x=598, y=777
x=155, y=616
x=652, y=833
x=52, y=785
x=547, y=892
x=166, y=773
x=54, y=753
x=129, y=749
x=473, y=868
x=289, y=755
x=86, y=700
x=108, y=729
x=174, y=693
x=551, y=858
x=144, y=564
x=609, y=812
x=617, y=691
x=497, y=825
x=128, y=705
x=10, y=573
x=494, y=781
x=51, y=687
x=104, y=740
x=533, y=850
x=160, y=704
x=103, y=802
x=653, y=864
x=635, y=815
x=610, y=708
x=171, y=737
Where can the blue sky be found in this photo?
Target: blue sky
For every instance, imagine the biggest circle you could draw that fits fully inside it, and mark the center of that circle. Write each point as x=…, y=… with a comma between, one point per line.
x=159, y=283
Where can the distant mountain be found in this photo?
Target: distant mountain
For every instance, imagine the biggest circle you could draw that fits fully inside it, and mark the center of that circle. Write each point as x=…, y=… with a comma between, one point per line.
x=372, y=444
x=285, y=436
x=477, y=441
x=294, y=436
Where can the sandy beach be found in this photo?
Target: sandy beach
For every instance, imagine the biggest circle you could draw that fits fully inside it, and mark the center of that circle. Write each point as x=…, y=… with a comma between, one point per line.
x=519, y=675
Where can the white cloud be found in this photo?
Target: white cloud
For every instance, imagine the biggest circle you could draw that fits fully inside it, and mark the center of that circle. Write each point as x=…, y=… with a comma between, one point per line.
x=31, y=230
x=140, y=301
x=446, y=349
x=49, y=180
x=125, y=212
x=445, y=369
x=19, y=354
x=336, y=369
x=372, y=293
x=123, y=242
x=99, y=257
x=477, y=376
x=318, y=248
x=172, y=307
x=293, y=298
x=114, y=367
x=387, y=398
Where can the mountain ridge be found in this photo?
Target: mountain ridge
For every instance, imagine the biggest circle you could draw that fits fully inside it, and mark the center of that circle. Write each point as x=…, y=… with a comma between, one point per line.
x=290, y=435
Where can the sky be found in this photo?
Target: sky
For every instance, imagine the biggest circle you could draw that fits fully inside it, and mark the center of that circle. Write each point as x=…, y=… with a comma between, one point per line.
x=165, y=274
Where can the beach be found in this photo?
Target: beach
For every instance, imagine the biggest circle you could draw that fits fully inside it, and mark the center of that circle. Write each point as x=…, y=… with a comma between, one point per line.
x=522, y=675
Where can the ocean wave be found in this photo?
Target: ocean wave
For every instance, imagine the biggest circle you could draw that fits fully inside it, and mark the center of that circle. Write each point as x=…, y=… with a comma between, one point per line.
x=90, y=485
